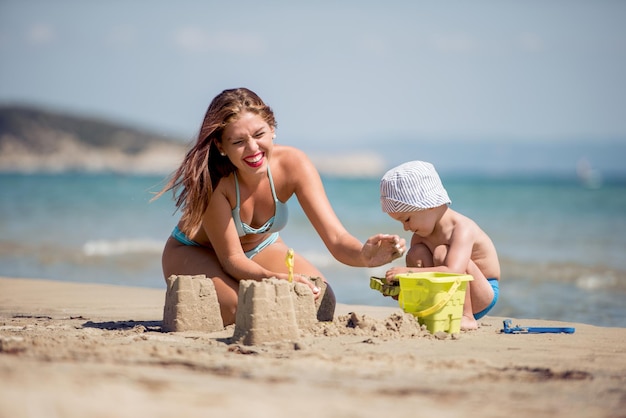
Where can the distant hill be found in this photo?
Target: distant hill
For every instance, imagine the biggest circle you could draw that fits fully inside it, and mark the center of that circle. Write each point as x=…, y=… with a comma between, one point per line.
x=34, y=140
x=38, y=140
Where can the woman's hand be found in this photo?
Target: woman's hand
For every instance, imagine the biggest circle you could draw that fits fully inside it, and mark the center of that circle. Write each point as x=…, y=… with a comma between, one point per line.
x=301, y=278
x=382, y=249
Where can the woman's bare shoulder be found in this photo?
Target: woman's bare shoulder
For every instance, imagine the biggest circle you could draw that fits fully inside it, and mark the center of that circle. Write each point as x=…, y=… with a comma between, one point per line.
x=291, y=159
x=288, y=152
x=294, y=170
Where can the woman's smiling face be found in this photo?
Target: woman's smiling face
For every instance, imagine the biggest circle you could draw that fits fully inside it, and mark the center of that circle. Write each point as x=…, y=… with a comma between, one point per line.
x=248, y=141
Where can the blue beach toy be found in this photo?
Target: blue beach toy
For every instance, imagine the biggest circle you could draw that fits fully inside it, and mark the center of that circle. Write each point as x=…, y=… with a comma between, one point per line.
x=509, y=329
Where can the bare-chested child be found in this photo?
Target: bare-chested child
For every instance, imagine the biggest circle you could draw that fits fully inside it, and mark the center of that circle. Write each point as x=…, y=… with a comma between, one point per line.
x=443, y=240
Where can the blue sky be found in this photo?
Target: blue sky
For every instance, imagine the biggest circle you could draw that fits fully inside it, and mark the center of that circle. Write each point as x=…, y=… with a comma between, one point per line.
x=338, y=74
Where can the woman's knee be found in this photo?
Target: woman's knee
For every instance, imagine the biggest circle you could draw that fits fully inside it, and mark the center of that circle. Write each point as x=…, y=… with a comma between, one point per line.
x=168, y=258
x=227, y=296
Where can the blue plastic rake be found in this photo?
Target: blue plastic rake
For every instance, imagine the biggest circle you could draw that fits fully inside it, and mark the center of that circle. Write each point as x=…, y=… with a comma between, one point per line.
x=509, y=329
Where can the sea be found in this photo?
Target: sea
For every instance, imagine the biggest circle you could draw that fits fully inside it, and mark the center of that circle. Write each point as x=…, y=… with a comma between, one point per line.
x=561, y=242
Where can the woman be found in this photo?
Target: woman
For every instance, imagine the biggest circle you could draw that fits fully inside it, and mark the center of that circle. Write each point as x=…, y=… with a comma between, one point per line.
x=232, y=188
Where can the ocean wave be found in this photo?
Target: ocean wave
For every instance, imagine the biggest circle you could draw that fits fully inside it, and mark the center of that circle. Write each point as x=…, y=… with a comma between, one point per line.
x=121, y=247
x=598, y=281
x=585, y=277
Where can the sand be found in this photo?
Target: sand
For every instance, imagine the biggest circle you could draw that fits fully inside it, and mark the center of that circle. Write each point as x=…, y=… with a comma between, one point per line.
x=77, y=350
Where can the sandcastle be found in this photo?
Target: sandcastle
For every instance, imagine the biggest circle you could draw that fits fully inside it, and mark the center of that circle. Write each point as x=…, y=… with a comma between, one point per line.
x=270, y=310
x=191, y=305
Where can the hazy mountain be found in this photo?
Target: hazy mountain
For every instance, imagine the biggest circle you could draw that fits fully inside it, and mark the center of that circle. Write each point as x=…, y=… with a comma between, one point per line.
x=39, y=140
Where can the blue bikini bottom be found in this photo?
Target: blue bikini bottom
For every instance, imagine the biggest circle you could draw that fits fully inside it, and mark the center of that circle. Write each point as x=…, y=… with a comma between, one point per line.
x=184, y=239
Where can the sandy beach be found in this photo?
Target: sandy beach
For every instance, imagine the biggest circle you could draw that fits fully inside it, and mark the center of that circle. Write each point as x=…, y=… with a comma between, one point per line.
x=77, y=350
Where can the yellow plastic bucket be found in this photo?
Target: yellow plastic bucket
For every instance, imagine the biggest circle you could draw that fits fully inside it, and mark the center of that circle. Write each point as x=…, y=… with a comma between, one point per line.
x=436, y=299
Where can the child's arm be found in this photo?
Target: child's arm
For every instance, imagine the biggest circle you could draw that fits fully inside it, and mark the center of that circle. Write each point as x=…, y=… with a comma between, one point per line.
x=459, y=251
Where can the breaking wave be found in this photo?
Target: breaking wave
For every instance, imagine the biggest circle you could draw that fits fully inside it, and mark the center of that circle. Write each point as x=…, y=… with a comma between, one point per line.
x=121, y=247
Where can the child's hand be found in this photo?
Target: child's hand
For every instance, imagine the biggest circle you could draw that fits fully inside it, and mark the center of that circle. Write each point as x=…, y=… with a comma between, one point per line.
x=382, y=249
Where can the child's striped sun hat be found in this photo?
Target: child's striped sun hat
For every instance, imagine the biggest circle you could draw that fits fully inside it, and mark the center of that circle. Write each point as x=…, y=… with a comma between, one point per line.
x=411, y=187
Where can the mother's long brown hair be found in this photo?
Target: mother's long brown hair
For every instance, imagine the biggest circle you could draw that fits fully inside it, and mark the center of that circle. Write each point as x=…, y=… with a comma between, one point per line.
x=203, y=166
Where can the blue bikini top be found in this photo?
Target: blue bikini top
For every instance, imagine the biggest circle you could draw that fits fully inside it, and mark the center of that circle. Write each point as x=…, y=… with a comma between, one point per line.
x=273, y=224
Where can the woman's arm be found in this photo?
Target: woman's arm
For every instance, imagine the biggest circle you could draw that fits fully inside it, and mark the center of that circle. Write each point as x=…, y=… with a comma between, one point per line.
x=309, y=190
